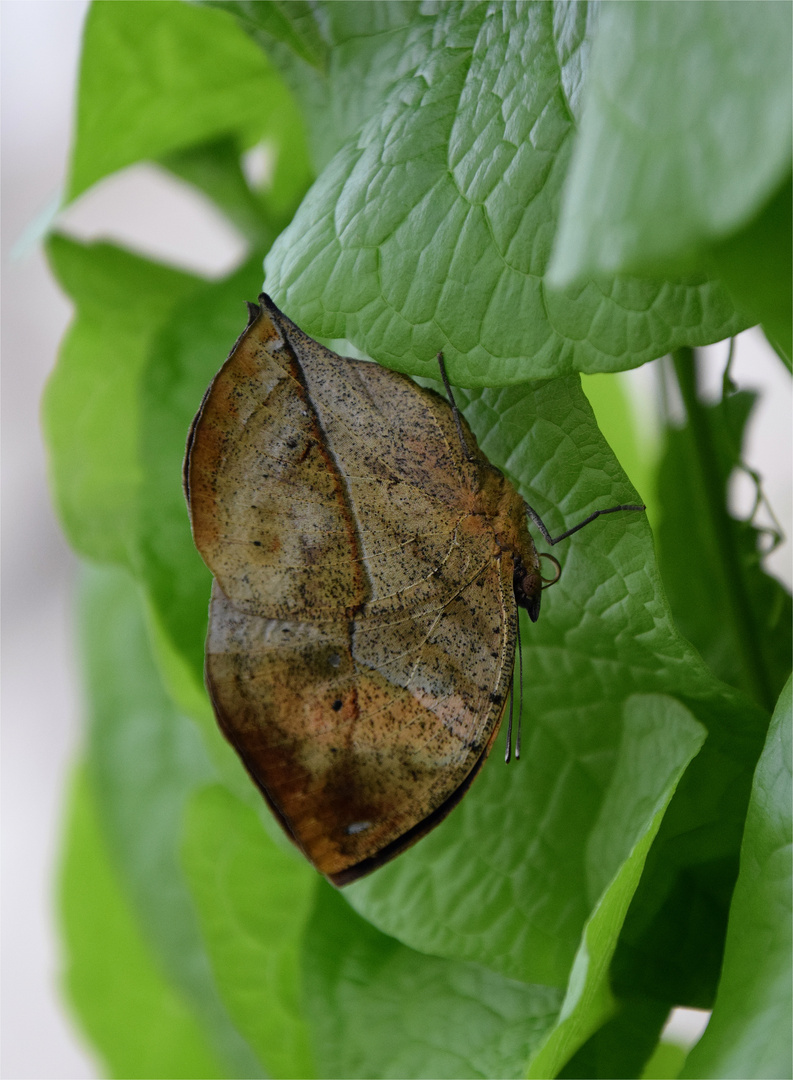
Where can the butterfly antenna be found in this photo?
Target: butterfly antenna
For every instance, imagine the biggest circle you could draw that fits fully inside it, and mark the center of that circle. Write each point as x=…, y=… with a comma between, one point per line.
x=508, y=754
x=535, y=517
x=520, y=705
x=455, y=411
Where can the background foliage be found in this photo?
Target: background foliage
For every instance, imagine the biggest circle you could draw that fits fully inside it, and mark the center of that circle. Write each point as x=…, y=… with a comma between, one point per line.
x=540, y=190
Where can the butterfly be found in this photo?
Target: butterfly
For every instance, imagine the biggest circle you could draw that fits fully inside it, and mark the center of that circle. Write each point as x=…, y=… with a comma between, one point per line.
x=368, y=564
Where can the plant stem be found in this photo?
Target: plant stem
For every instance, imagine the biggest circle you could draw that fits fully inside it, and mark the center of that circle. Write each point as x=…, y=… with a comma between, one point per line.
x=730, y=568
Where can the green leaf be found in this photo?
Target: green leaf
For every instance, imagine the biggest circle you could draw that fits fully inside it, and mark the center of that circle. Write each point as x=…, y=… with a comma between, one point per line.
x=253, y=901
x=377, y=1008
x=660, y=737
x=431, y=226
x=159, y=77
x=749, y=1034
x=635, y=447
x=737, y=616
x=144, y=761
x=686, y=134
x=91, y=410
x=140, y=1025
x=506, y=880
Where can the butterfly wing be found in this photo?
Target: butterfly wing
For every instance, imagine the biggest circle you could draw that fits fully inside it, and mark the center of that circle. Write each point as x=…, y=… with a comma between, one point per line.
x=322, y=487
x=363, y=735
x=363, y=620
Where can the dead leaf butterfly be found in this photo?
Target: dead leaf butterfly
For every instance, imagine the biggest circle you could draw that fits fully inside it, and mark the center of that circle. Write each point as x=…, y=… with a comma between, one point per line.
x=369, y=563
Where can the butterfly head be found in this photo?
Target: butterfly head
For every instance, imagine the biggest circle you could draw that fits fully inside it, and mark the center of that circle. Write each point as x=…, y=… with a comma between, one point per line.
x=528, y=584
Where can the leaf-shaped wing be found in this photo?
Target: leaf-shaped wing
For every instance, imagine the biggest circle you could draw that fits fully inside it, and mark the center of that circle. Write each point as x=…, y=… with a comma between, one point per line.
x=326, y=487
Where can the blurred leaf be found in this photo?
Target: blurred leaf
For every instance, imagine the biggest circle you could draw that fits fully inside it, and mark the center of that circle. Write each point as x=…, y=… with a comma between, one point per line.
x=686, y=135
x=253, y=900
x=139, y=1024
x=377, y=1008
x=91, y=411
x=666, y=1062
x=660, y=737
x=756, y=264
x=737, y=616
x=214, y=168
x=749, y=1034
x=431, y=225
x=159, y=77
x=144, y=761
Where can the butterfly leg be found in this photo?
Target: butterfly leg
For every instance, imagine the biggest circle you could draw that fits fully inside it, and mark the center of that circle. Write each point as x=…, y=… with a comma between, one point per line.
x=508, y=754
x=455, y=411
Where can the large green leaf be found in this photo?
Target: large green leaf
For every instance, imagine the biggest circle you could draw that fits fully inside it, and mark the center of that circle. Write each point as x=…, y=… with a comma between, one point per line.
x=571, y=887
x=600, y=621
x=749, y=1034
x=140, y=1025
x=684, y=155
x=686, y=134
x=159, y=77
x=377, y=1008
x=144, y=761
x=507, y=880
x=431, y=226
x=91, y=408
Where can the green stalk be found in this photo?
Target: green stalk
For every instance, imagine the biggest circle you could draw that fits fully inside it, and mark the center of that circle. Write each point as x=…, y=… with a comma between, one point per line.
x=729, y=568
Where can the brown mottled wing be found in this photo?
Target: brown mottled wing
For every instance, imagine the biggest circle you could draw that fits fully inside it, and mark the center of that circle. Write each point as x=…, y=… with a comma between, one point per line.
x=363, y=735
x=321, y=487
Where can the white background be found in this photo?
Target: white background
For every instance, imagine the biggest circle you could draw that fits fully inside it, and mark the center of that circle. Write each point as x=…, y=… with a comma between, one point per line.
x=41, y=709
